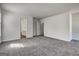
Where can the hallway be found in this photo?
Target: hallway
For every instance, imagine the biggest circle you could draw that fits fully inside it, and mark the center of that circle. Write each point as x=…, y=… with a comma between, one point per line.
x=39, y=46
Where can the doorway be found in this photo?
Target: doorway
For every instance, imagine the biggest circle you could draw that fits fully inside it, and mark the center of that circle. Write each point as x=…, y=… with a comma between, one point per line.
x=42, y=29
x=23, y=28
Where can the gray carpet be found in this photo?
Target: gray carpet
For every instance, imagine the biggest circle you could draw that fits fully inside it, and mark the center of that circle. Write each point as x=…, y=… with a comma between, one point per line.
x=39, y=46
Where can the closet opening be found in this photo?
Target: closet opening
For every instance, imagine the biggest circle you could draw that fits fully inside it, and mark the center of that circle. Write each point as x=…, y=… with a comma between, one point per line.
x=23, y=27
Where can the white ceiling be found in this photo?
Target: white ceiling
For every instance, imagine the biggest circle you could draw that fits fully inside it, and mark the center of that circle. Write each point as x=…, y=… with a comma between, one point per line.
x=39, y=10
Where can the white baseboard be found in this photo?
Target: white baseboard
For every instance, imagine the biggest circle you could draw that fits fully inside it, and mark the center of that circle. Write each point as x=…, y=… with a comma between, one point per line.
x=10, y=40
x=57, y=38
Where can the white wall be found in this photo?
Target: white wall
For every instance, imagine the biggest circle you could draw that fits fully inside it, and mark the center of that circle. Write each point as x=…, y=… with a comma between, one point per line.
x=10, y=26
x=57, y=26
x=34, y=26
x=38, y=27
x=29, y=27
x=75, y=26
x=0, y=25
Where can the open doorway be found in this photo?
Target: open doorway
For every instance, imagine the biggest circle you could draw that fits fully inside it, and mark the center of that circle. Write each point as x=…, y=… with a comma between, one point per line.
x=23, y=27
x=42, y=29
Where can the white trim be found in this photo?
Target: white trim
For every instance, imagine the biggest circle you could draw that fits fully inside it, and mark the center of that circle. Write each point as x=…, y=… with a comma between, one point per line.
x=57, y=38
x=10, y=40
